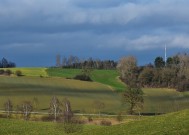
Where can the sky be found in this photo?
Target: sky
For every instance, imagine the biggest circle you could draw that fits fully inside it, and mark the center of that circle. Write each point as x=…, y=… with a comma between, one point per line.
x=33, y=32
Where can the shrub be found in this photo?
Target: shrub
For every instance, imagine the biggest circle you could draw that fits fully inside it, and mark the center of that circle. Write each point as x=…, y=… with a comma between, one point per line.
x=47, y=118
x=75, y=125
x=78, y=121
x=2, y=72
x=183, y=86
x=119, y=117
x=106, y=123
x=8, y=72
x=72, y=127
x=90, y=119
x=83, y=77
x=18, y=73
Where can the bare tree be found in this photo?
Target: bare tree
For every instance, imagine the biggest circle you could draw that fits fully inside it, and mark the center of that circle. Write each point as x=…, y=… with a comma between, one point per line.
x=98, y=105
x=183, y=66
x=8, y=108
x=35, y=102
x=58, y=58
x=71, y=60
x=126, y=67
x=55, y=107
x=68, y=114
x=64, y=62
x=26, y=109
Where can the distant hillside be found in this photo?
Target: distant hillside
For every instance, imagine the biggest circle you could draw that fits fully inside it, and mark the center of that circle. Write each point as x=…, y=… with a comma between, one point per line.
x=43, y=83
x=108, y=77
x=81, y=94
x=30, y=71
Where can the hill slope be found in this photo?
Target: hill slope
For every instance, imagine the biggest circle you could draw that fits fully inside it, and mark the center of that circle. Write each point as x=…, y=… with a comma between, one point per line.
x=169, y=124
x=81, y=94
x=108, y=77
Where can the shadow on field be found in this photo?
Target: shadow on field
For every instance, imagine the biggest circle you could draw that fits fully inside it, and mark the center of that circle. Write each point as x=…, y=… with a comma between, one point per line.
x=151, y=114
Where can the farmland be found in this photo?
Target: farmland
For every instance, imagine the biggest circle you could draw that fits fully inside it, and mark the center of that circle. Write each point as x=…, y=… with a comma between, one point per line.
x=83, y=94
x=30, y=71
x=108, y=77
x=42, y=84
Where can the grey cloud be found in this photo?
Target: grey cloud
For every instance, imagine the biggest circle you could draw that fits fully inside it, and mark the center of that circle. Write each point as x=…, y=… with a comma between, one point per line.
x=66, y=12
x=81, y=25
x=145, y=42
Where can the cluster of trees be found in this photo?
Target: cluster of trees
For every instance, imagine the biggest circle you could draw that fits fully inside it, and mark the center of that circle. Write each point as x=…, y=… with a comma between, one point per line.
x=174, y=73
x=4, y=63
x=75, y=62
x=57, y=108
x=58, y=111
x=25, y=108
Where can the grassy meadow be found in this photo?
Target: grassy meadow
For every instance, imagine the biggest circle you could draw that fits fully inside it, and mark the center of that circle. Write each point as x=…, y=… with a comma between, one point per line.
x=108, y=77
x=169, y=124
x=83, y=94
x=43, y=83
x=163, y=100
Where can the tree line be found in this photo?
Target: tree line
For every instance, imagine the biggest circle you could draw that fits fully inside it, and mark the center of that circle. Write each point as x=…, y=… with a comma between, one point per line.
x=58, y=111
x=4, y=63
x=57, y=108
x=77, y=63
x=172, y=73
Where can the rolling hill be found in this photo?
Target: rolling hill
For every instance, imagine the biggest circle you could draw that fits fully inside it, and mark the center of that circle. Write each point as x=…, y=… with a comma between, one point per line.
x=42, y=83
x=169, y=124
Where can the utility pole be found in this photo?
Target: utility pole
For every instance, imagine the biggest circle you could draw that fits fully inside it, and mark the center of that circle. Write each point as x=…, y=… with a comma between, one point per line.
x=165, y=55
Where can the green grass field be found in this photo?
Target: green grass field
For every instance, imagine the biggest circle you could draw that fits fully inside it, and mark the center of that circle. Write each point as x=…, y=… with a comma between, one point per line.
x=159, y=100
x=169, y=124
x=42, y=83
x=83, y=94
x=108, y=77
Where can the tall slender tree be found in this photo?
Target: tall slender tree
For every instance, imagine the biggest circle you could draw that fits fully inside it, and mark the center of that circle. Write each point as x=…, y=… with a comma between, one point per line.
x=55, y=107
x=26, y=108
x=8, y=108
x=58, y=59
x=68, y=114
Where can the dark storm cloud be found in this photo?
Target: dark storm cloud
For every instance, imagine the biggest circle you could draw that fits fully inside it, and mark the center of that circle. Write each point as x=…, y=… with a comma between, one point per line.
x=48, y=27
